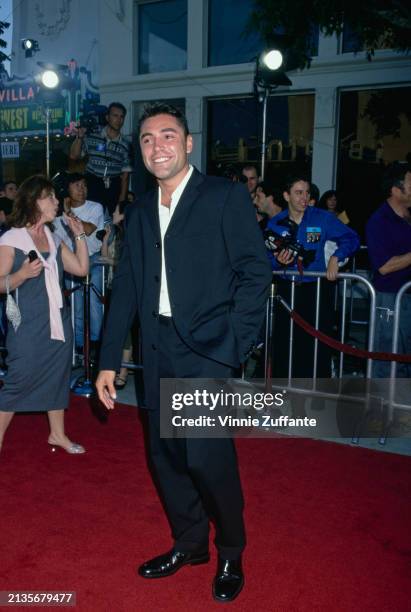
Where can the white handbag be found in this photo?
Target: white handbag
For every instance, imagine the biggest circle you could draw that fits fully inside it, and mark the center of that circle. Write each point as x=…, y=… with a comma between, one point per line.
x=12, y=310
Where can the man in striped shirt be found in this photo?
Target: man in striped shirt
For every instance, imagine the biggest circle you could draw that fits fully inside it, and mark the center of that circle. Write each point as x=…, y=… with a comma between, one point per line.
x=108, y=164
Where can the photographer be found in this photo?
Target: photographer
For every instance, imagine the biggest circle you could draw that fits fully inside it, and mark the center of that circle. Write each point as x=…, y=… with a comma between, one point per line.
x=92, y=217
x=306, y=229
x=108, y=166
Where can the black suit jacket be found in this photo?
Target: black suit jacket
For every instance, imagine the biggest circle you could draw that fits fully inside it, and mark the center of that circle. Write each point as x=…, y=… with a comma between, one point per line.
x=218, y=274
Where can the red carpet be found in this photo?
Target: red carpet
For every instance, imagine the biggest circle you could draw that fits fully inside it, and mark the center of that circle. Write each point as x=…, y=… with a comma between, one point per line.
x=328, y=525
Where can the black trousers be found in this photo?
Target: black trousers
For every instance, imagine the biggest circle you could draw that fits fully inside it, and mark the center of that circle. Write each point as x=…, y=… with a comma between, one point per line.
x=97, y=191
x=198, y=478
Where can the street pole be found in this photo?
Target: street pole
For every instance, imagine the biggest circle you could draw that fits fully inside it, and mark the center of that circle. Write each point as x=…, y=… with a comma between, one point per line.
x=264, y=134
x=47, y=142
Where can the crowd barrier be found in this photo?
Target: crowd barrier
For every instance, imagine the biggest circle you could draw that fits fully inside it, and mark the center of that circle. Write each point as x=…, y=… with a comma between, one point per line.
x=390, y=402
x=344, y=283
x=396, y=327
x=343, y=279
x=353, y=270
x=81, y=382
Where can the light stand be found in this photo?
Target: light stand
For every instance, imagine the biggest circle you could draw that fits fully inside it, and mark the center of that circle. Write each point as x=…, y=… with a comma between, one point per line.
x=47, y=113
x=266, y=93
x=268, y=76
x=50, y=80
x=85, y=387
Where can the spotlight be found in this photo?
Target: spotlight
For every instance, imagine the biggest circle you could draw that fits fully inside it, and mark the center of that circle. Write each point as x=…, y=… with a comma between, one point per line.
x=272, y=59
x=270, y=72
x=50, y=79
x=29, y=46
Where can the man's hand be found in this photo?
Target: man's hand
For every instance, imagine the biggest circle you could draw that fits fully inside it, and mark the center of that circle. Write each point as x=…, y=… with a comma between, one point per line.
x=105, y=388
x=76, y=145
x=285, y=257
x=81, y=132
x=332, y=268
x=117, y=216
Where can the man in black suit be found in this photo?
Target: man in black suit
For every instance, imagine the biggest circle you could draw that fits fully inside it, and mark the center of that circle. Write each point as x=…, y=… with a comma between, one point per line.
x=195, y=269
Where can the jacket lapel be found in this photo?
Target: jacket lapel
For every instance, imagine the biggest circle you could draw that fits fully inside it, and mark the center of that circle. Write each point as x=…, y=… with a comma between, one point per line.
x=150, y=204
x=188, y=196
x=150, y=208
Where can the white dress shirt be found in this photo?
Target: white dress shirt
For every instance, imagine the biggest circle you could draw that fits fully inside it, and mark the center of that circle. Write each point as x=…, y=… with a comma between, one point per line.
x=165, y=215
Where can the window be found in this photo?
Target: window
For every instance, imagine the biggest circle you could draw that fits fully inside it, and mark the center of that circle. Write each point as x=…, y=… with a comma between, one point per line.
x=162, y=36
x=234, y=134
x=374, y=130
x=226, y=42
x=350, y=40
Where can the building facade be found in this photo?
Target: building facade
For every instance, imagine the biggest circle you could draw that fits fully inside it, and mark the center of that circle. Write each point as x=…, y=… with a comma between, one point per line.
x=194, y=53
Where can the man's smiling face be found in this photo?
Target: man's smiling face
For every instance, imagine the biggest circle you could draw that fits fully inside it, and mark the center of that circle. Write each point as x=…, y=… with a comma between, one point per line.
x=165, y=147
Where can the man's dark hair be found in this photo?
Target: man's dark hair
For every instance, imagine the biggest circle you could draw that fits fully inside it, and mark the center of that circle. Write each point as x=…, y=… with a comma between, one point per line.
x=9, y=183
x=74, y=177
x=394, y=176
x=117, y=105
x=292, y=179
x=268, y=188
x=251, y=167
x=161, y=108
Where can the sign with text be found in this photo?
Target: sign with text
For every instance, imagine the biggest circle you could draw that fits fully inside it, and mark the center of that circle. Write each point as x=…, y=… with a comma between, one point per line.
x=10, y=150
x=30, y=119
x=23, y=102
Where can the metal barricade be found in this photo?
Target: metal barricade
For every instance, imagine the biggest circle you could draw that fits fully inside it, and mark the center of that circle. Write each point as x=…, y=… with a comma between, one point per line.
x=81, y=384
x=393, y=379
x=363, y=249
x=104, y=263
x=107, y=262
x=388, y=401
x=343, y=277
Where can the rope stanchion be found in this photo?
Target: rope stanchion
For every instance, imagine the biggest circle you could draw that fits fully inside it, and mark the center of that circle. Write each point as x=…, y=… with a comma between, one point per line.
x=83, y=384
x=344, y=348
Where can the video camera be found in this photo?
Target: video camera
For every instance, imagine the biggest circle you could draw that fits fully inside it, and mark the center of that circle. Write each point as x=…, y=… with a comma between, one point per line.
x=276, y=243
x=93, y=117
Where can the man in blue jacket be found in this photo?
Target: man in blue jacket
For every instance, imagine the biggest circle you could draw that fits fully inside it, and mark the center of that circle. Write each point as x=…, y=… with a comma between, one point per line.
x=310, y=228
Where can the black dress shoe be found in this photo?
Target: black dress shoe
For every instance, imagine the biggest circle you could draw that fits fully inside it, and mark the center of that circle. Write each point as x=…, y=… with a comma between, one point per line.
x=229, y=580
x=170, y=563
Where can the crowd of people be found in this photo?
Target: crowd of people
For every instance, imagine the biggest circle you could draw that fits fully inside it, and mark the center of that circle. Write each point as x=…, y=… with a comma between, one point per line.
x=319, y=224
x=297, y=209
x=98, y=197
x=194, y=262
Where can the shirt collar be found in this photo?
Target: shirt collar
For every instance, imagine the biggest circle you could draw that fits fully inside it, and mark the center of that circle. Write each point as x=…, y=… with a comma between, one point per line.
x=178, y=191
x=390, y=212
x=105, y=135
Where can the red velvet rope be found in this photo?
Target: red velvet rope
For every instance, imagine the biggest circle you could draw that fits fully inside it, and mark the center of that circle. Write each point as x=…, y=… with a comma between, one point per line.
x=346, y=348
